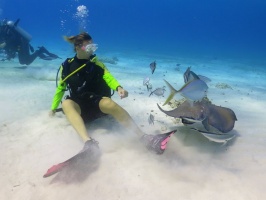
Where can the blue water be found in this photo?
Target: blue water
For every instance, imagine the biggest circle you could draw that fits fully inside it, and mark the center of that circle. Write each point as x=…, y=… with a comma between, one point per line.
x=216, y=29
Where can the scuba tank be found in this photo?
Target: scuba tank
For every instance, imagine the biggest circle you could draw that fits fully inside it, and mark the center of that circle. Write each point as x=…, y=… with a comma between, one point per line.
x=22, y=32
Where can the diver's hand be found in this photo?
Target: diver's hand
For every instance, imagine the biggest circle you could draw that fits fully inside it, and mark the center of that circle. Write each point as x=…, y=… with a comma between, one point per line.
x=51, y=113
x=122, y=93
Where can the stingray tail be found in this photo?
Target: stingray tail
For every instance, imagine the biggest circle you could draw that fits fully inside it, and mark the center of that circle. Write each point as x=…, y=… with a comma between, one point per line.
x=173, y=91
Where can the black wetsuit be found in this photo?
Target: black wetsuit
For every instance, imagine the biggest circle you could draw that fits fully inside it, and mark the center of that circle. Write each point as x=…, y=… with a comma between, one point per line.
x=86, y=87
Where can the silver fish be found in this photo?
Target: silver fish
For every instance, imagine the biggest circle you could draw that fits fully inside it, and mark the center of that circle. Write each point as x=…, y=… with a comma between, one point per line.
x=146, y=81
x=158, y=92
x=149, y=87
x=153, y=66
x=151, y=119
x=194, y=90
x=190, y=75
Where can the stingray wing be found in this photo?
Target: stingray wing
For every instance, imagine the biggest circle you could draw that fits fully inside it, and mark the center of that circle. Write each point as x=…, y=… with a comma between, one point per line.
x=185, y=110
x=215, y=137
x=221, y=118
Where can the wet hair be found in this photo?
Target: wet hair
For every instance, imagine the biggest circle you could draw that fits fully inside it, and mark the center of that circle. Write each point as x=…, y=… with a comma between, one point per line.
x=78, y=39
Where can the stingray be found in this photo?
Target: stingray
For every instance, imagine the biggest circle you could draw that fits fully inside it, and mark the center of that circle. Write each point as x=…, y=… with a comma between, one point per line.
x=216, y=137
x=221, y=118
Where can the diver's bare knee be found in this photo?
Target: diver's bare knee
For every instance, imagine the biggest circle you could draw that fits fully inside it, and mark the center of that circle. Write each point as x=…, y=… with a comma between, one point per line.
x=107, y=104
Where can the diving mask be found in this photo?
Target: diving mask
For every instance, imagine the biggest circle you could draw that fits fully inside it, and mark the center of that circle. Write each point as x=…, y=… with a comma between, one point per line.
x=90, y=48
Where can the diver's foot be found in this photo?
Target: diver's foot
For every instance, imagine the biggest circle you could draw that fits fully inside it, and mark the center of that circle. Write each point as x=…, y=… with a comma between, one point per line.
x=43, y=50
x=53, y=56
x=156, y=143
x=48, y=56
x=42, y=56
x=45, y=57
x=91, y=148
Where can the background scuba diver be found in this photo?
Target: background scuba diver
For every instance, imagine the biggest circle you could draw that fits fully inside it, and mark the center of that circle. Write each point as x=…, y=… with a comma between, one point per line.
x=89, y=83
x=14, y=40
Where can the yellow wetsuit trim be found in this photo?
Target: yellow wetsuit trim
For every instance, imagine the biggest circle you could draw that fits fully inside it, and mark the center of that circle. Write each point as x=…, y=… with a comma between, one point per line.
x=107, y=77
x=59, y=93
x=73, y=72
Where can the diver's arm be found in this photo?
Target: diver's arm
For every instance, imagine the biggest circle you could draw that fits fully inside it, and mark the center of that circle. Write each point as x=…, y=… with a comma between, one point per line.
x=59, y=93
x=111, y=81
x=114, y=84
x=107, y=76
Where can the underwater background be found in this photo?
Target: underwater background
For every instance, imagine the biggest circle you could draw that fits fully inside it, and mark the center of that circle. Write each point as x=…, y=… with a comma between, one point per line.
x=223, y=40
x=220, y=29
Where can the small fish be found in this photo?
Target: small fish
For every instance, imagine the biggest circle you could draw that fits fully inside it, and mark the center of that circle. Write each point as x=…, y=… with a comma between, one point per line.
x=151, y=119
x=149, y=87
x=153, y=66
x=194, y=90
x=158, y=91
x=146, y=81
x=216, y=137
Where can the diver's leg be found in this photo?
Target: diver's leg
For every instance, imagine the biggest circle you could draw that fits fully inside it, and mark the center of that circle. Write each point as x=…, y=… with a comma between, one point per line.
x=156, y=143
x=27, y=59
x=72, y=112
x=24, y=55
x=108, y=106
x=44, y=50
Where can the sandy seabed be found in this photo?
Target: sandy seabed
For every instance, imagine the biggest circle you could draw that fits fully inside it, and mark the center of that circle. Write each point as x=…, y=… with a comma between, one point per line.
x=192, y=167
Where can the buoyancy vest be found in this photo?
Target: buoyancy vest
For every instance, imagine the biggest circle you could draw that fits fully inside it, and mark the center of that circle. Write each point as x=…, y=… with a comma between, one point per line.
x=87, y=80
